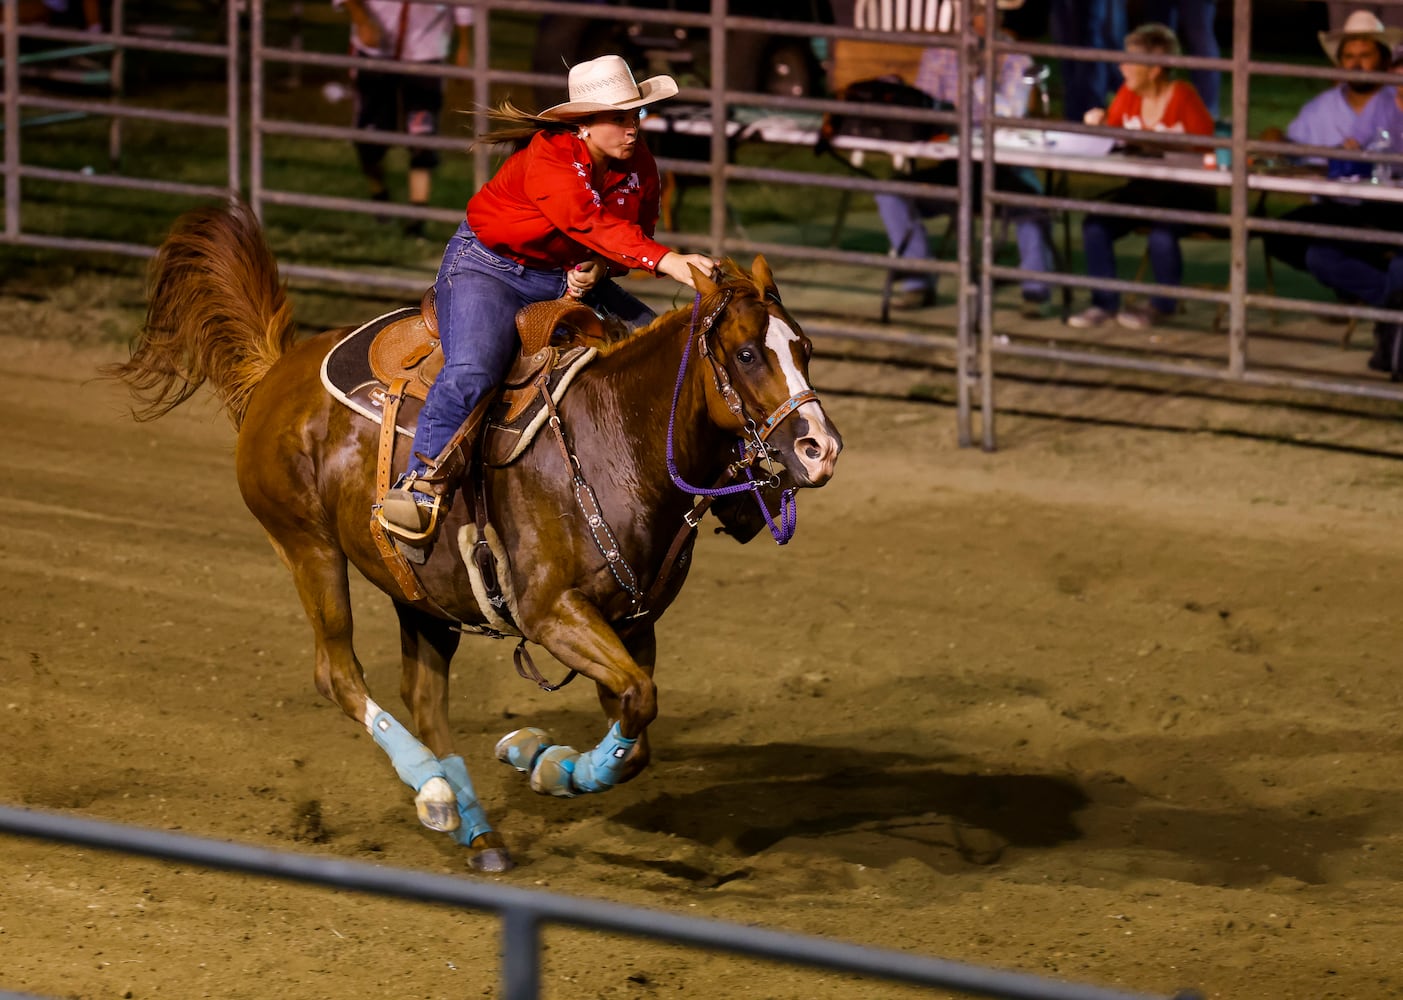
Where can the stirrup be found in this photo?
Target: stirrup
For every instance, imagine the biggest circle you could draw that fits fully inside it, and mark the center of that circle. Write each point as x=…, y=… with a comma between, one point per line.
x=405, y=516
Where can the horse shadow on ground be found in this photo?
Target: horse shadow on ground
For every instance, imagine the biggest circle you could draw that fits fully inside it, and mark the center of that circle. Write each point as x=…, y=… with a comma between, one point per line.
x=955, y=813
x=875, y=808
x=862, y=806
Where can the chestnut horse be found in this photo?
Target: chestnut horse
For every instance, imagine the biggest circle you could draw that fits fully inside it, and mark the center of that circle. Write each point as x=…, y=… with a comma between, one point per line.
x=672, y=405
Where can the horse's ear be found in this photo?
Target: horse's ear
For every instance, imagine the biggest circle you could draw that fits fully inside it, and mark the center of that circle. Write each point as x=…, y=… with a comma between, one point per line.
x=760, y=271
x=702, y=281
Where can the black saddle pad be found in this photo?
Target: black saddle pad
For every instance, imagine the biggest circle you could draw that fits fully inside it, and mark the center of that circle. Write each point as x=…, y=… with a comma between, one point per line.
x=347, y=376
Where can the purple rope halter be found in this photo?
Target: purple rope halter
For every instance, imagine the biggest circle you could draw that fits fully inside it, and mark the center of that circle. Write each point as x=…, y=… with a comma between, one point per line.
x=781, y=532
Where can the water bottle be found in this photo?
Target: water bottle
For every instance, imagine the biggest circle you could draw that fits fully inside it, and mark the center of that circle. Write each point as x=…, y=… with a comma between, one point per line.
x=1383, y=172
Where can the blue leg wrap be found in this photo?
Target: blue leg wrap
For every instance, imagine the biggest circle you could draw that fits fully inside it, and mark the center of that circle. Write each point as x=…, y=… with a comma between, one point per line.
x=599, y=769
x=411, y=759
x=469, y=811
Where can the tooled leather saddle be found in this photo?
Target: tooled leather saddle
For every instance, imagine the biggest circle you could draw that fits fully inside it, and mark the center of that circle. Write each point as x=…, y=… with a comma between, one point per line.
x=558, y=338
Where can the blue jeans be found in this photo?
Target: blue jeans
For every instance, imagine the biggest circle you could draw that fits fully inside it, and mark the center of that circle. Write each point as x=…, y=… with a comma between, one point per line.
x=1100, y=232
x=1092, y=24
x=1192, y=21
x=477, y=296
x=903, y=218
x=1360, y=271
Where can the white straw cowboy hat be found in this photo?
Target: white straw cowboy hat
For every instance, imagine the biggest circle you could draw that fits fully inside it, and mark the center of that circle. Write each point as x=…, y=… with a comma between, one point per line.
x=1360, y=24
x=606, y=84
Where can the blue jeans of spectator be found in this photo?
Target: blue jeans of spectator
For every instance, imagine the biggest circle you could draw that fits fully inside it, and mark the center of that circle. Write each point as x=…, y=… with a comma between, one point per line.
x=1360, y=271
x=904, y=222
x=1092, y=24
x=1192, y=21
x=477, y=295
x=903, y=218
x=1099, y=233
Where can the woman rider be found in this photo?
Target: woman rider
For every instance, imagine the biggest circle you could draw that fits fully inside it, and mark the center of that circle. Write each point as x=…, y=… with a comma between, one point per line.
x=578, y=201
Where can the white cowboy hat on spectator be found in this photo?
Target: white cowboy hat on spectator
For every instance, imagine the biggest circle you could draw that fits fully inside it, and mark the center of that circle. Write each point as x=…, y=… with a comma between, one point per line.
x=606, y=84
x=1360, y=24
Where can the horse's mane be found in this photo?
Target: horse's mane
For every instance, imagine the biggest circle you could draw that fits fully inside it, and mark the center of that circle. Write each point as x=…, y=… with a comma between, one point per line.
x=729, y=277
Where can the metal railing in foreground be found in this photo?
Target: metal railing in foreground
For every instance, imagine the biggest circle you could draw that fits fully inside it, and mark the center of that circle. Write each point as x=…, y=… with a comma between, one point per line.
x=523, y=912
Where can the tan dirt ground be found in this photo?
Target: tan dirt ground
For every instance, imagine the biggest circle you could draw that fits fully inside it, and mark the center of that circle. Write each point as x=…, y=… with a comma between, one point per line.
x=1113, y=704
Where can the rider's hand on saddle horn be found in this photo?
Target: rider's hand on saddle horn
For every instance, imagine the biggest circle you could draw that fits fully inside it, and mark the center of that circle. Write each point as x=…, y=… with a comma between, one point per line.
x=582, y=277
x=678, y=266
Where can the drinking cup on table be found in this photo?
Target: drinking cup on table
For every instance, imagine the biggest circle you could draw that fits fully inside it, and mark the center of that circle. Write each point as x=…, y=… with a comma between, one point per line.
x=1381, y=173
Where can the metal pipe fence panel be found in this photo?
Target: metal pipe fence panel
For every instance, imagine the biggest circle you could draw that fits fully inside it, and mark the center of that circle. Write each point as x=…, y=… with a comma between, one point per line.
x=974, y=265
x=524, y=912
x=116, y=41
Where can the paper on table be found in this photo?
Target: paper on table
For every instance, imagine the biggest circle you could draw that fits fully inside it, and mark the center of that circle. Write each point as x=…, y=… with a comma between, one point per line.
x=1079, y=143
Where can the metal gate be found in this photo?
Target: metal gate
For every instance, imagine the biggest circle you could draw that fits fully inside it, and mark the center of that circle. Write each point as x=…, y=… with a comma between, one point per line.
x=977, y=348
x=524, y=912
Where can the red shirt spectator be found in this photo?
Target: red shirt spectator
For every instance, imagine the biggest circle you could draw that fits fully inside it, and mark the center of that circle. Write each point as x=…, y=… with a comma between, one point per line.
x=1183, y=111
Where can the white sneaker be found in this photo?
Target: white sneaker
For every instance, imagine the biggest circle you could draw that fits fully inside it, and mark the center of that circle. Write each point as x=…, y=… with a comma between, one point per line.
x=1089, y=318
x=1138, y=317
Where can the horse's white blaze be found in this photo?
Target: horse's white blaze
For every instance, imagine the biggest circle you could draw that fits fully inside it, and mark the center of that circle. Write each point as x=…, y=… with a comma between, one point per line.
x=819, y=452
x=778, y=338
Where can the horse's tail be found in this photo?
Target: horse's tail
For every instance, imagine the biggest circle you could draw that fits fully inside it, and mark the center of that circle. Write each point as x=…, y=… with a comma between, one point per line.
x=217, y=312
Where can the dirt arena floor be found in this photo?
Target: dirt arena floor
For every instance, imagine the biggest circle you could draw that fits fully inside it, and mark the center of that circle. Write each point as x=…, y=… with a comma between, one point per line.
x=1113, y=704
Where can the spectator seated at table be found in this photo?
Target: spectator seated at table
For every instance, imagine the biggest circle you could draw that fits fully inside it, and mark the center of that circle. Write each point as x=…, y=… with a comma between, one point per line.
x=1151, y=100
x=938, y=75
x=1352, y=116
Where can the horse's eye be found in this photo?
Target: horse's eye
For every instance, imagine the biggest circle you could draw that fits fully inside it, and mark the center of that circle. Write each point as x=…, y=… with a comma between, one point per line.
x=745, y=356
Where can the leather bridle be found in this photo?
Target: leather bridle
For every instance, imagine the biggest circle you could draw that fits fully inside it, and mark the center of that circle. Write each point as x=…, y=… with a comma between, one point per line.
x=753, y=436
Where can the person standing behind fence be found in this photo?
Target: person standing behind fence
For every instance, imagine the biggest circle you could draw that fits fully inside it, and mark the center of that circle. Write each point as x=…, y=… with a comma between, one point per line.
x=390, y=101
x=939, y=75
x=1091, y=24
x=1152, y=101
x=1192, y=21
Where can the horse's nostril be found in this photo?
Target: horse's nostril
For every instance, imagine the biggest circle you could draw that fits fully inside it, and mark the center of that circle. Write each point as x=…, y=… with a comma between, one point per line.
x=813, y=451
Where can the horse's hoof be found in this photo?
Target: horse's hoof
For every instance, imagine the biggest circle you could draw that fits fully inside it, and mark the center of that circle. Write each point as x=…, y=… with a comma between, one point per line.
x=437, y=806
x=492, y=856
x=551, y=775
x=493, y=862
x=521, y=748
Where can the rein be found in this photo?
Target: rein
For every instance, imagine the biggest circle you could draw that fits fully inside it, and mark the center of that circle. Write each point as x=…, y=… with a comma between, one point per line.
x=750, y=452
x=753, y=450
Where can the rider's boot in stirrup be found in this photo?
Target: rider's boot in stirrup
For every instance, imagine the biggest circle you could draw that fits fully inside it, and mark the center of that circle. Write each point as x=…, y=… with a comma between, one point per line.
x=413, y=507
x=408, y=509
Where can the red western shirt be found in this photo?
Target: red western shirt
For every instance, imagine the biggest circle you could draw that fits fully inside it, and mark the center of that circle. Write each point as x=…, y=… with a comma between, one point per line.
x=542, y=210
x=1184, y=112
